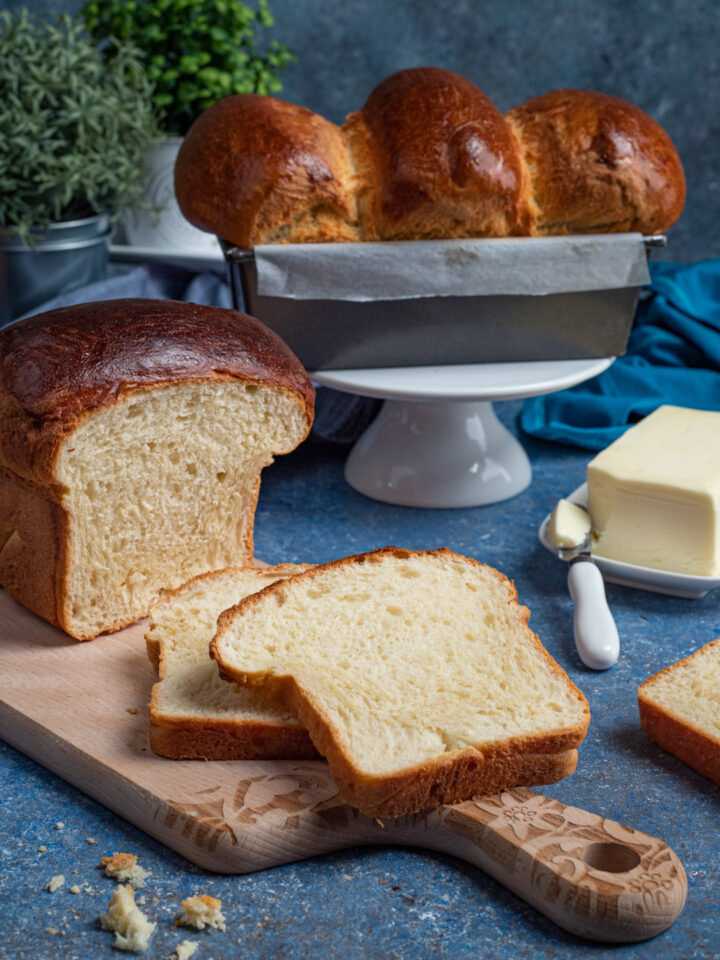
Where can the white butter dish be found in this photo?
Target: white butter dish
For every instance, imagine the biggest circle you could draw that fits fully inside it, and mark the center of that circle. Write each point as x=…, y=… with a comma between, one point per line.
x=629, y=575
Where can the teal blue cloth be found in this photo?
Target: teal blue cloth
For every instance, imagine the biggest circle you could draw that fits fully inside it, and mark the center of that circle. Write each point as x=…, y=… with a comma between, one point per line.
x=673, y=357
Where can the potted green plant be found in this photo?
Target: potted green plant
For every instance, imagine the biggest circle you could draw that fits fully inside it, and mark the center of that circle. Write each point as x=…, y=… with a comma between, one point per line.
x=74, y=131
x=195, y=52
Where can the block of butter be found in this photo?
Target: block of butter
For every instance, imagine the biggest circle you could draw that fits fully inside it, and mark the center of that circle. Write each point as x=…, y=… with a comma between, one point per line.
x=654, y=494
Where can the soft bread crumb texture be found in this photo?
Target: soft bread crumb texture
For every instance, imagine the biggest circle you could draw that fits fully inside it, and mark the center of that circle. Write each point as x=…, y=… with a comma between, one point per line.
x=201, y=912
x=125, y=868
x=405, y=658
x=55, y=883
x=161, y=487
x=690, y=689
x=184, y=950
x=180, y=630
x=680, y=710
x=131, y=927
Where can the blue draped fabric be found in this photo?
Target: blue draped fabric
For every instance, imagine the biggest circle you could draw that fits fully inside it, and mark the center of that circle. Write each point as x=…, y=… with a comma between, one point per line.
x=673, y=357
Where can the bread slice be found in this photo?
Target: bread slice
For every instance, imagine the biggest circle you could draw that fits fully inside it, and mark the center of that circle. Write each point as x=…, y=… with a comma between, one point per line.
x=194, y=714
x=415, y=674
x=680, y=710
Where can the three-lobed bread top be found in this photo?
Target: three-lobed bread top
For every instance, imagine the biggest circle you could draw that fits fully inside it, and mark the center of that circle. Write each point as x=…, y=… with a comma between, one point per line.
x=59, y=366
x=435, y=158
x=428, y=156
x=597, y=164
x=258, y=166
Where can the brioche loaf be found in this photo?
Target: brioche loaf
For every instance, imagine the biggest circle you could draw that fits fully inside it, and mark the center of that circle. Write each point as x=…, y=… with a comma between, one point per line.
x=194, y=713
x=415, y=674
x=680, y=710
x=132, y=437
x=427, y=156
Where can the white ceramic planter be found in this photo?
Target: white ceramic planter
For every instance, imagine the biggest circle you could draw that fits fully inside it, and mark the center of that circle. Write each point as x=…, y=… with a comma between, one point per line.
x=167, y=228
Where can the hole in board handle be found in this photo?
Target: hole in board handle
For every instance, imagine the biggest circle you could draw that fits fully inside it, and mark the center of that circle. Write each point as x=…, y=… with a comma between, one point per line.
x=611, y=857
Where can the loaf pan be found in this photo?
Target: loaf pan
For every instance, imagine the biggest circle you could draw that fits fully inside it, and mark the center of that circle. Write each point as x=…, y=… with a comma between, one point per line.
x=428, y=330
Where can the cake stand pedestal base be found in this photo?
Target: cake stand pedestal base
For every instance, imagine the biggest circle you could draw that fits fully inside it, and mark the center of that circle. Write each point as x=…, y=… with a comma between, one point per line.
x=437, y=441
x=438, y=455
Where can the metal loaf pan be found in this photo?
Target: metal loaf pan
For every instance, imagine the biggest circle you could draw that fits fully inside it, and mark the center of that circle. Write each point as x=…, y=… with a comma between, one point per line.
x=343, y=334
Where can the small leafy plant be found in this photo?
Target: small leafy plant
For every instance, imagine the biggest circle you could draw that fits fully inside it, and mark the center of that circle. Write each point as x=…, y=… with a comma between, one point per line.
x=74, y=130
x=195, y=51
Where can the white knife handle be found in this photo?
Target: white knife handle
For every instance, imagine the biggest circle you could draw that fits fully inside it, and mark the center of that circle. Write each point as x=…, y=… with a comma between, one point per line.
x=596, y=636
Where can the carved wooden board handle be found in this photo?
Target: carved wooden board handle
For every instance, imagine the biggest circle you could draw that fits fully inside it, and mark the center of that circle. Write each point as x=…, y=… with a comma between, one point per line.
x=592, y=876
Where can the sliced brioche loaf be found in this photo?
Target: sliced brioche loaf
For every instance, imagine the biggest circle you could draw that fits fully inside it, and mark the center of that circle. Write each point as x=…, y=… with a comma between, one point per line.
x=194, y=713
x=132, y=438
x=415, y=674
x=680, y=710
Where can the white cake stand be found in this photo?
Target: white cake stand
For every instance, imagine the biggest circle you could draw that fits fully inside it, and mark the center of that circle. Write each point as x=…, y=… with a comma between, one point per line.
x=437, y=441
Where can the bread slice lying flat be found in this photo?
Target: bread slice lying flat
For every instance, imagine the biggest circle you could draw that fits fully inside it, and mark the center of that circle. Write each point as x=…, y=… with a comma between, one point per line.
x=415, y=674
x=680, y=710
x=194, y=713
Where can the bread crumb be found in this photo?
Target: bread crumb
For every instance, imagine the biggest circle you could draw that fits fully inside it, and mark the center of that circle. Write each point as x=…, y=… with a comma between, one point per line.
x=75, y=889
x=42, y=849
x=184, y=950
x=201, y=912
x=74, y=871
x=132, y=710
x=379, y=822
x=55, y=883
x=51, y=930
x=89, y=840
x=131, y=927
x=59, y=825
x=124, y=867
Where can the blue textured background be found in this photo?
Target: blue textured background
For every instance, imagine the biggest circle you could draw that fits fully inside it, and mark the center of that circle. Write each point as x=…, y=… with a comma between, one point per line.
x=660, y=54
x=373, y=904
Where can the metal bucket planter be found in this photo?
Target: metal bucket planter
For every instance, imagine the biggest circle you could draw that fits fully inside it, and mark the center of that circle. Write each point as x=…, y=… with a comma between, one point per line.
x=65, y=256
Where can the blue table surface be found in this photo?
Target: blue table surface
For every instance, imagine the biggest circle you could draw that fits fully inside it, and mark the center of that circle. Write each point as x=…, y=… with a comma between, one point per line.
x=393, y=903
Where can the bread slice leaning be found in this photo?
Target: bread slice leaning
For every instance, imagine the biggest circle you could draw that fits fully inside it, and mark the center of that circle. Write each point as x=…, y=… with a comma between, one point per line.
x=415, y=674
x=194, y=713
x=680, y=710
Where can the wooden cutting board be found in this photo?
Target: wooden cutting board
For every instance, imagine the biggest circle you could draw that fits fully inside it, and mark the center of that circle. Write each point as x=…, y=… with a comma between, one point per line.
x=71, y=707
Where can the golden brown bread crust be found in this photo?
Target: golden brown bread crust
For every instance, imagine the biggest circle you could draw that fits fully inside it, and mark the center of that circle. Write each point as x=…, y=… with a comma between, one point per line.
x=435, y=158
x=450, y=778
x=598, y=164
x=676, y=734
x=241, y=741
x=447, y=779
x=33, y=533
x=255, y=169
x=57, y=367
x=185, y=738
